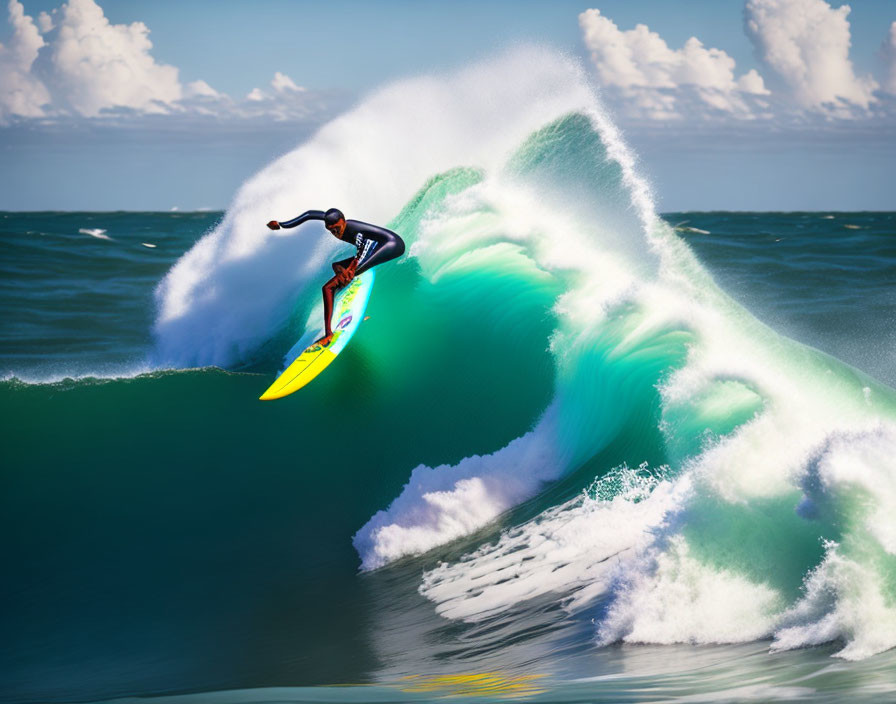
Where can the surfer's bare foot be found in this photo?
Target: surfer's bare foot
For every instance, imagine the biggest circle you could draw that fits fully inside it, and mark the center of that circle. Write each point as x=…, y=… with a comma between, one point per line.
x=325, y=340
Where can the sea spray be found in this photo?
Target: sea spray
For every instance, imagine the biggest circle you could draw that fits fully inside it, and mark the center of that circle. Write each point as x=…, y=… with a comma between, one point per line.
x=369, y=162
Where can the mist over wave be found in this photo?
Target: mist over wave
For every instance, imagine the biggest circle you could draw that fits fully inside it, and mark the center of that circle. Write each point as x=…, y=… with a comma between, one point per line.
x=771, y=514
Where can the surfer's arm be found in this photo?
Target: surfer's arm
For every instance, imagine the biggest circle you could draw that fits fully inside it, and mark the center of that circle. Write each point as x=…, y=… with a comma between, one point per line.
x=304, y=217
x=340, y=266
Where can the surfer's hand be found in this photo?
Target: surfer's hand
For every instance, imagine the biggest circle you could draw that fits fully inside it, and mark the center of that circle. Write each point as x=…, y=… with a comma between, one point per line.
x=274, y=225
x=347, y=274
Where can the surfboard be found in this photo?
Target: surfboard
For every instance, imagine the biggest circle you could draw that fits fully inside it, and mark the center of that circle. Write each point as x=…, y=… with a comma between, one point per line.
x=311, y=361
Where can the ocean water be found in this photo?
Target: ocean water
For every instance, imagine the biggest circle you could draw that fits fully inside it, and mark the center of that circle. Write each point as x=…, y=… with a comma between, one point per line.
x=578, y=452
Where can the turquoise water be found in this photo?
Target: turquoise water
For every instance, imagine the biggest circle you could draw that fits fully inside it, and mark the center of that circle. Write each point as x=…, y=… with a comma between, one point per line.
x=578, y=452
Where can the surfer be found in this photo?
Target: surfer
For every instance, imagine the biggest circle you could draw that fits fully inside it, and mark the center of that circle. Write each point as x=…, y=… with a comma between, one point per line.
x=375, y=246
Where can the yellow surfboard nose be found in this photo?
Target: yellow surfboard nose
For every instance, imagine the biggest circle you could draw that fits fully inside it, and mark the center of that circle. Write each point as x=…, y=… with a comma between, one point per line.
x=314, y=359
x=307, y=366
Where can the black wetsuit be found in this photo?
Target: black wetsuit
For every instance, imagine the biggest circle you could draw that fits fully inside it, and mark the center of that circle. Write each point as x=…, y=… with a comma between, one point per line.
x=375, y=244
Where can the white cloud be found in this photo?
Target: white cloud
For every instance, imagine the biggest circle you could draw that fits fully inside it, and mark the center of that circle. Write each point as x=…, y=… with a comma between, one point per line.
x=45, y=22
x=21, y=93
x=288, y=100
x=200, y=89
x=74, y=62
x=751, y=82
x=98, y=65
x=802, y=46
x=658, y=82
x=282, y=83
x=806, y=44
x=888, y=53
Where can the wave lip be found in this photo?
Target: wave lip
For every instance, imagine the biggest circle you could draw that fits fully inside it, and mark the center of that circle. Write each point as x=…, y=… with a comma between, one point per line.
x=523, y=219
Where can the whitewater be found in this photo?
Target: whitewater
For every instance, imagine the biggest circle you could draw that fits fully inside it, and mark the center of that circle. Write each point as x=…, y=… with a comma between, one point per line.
x=769, y=512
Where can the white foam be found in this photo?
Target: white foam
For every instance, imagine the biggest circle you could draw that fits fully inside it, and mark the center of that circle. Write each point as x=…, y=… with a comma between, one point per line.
x=97, y=232
x=851, y=481
x=439, y=504
x=843, y=601
x=673, y=598
x=753, y=692
x=568, y=550
x=54, y=375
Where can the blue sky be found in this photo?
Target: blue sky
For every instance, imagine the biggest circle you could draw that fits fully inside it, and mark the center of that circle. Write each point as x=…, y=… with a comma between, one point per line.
x=76, y=141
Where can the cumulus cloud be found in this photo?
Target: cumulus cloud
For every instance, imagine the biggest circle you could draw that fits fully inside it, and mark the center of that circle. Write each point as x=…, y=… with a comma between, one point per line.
x=284, y=84
x=201, y=89
x=286, y=100
x=75, y=62
x=803, y=50
x=98, y=65
x=20, y=92
x=805, y=43
x=657, y=81
x=45, y=22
